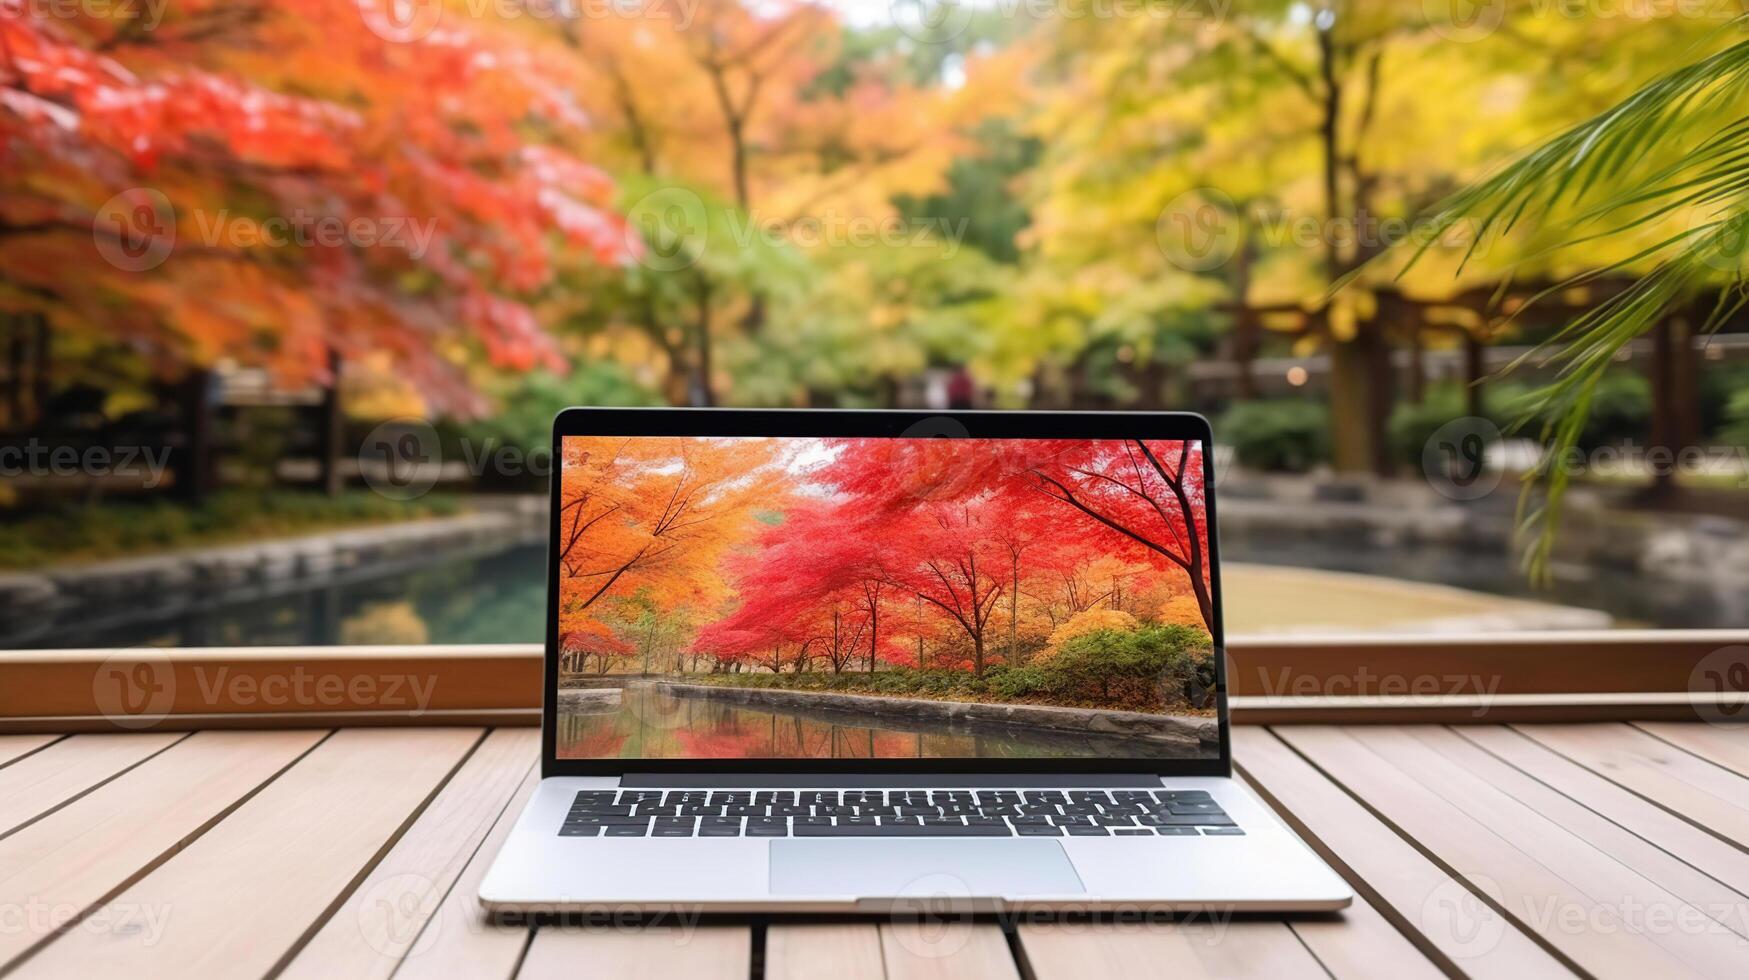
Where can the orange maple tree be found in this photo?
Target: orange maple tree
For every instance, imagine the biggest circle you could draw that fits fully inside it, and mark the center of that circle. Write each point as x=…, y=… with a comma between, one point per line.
x=144, y=170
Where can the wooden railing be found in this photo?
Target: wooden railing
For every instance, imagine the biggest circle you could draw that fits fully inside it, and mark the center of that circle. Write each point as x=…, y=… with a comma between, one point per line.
x=1502, y=677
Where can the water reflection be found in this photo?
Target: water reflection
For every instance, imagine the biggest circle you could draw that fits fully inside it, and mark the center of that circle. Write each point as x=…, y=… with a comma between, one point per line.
x=649, y=724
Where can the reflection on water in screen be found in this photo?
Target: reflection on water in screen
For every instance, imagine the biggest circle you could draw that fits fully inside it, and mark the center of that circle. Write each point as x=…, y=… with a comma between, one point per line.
x=648, y=724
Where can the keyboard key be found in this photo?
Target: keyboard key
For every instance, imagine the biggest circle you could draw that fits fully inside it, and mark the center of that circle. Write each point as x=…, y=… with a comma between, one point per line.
x=1132, y=832
x=653, y=796
x=701, y=811
x=594, y=796
x=801, y=822
x=1170, y=795
x=657, y=811
x=1045, y=796
x=1037, y=830
x=625, y=830
x=767, y=827
x=1090, y=796
x=669, y=827
x=1223, y=832
x=744, y=810
x=774, y=798
x=590, y=830
x=593, y=820
x=601, y=811
x=789, y=810
x=1194, y=806
x=730, y=799
x=818, y=798
x=865, y=797
x=1080, y=831
x=1175, y=831
x=696, y=797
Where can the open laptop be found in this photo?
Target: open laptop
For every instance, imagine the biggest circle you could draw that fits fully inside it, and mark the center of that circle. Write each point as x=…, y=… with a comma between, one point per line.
x=839, y=661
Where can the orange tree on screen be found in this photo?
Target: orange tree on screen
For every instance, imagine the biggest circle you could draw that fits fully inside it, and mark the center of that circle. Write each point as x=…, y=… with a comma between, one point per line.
x=431, y=178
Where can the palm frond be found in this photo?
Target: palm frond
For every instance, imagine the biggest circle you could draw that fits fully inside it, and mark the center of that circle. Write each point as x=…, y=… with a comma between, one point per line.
x=1596, y=178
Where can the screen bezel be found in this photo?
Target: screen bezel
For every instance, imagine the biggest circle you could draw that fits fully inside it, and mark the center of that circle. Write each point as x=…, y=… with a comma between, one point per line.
x=848, y=423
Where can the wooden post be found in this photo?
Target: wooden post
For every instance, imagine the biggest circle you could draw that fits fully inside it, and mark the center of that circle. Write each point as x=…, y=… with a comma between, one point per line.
x=333, y=434
x=1473, y=368
x=194, y=459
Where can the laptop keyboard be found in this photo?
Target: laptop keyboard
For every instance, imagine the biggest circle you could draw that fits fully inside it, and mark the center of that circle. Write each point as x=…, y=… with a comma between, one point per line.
x=896, y=813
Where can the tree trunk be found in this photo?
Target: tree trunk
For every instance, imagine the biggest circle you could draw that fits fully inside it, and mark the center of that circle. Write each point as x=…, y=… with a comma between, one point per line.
x=1473, y=367
x=333, y=423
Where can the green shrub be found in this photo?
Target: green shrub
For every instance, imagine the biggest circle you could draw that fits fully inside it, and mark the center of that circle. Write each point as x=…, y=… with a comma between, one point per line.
x=1289, y=435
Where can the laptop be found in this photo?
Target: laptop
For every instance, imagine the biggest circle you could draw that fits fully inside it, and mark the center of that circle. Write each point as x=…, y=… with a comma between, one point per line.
x=872, y=661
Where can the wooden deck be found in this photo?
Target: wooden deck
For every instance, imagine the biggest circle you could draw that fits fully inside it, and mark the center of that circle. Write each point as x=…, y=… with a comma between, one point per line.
x=1606, y=850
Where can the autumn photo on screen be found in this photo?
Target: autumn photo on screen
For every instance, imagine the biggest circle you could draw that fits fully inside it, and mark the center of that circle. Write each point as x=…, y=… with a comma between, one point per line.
x=883, y=598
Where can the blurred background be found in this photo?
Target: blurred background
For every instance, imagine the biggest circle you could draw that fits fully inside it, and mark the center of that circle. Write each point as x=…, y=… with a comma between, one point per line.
x=291, y=289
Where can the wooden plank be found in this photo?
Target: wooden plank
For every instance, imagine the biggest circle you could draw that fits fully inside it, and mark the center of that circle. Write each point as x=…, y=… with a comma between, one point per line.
x=373, y=931
x=247, y=892
x=1418, y=897
x=952, y=950
x=14, y=747
x=1724, y=745
x=1625, y=875
x=1705, y=794
x=92, y=848
x=462, y=939
x=1701, y=850
x=45, y=780
x=836, y=950
x=1511, y=875
x=1166, y=951
x=639, y=953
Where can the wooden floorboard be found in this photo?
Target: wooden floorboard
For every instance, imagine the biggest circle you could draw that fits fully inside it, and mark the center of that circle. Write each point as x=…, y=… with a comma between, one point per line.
x=922, y=950
x=372, y=932
x=834, y=950
x=1485, y=851
x=44, y=780
x=1521, y=869
x=461, y=939
x=15, y=747
x=1248, y=950
x=244, y=895
x=1702, y=792
x=1680, y=838
x=63, y=868
x=1433, y=910
x=625, y=952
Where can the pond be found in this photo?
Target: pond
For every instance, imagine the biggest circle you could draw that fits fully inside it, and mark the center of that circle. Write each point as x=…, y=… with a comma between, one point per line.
x=651, y=724
x=498, y=597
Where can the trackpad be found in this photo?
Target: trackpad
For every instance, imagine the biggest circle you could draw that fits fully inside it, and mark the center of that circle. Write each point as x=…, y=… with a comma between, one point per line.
x=863, y=868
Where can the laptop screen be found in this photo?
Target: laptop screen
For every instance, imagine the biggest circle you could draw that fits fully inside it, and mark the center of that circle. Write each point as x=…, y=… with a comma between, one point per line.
x=883, y=598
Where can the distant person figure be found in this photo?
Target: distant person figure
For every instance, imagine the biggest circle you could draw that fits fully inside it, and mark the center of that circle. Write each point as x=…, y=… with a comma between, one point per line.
x=961, y=389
